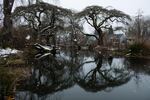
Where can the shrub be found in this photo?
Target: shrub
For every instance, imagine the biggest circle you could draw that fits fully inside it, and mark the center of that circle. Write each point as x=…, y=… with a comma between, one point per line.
x=138, y=49
x=18, y=39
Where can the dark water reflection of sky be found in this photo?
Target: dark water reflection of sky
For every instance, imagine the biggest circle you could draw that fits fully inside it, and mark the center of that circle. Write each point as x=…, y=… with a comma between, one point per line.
x=87, y=76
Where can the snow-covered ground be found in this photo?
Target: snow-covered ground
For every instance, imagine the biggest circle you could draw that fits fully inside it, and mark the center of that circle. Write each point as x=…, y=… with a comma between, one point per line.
x=7, y=51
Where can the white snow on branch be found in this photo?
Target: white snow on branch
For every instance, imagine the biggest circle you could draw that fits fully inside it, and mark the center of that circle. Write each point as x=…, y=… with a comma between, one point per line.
x=28, y=37
x=48, y=48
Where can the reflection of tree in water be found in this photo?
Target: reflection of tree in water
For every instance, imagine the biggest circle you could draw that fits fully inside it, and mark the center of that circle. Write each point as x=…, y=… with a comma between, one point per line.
x=48, y=72
x=49, y=75
x=103, y=76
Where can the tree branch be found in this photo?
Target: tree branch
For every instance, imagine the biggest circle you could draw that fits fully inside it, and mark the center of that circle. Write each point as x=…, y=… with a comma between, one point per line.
x=46, y=28
x=32, y=22
x=92, y=35
x=112, y=20
x=101, y=23
x=88, y=21
x=105, y=27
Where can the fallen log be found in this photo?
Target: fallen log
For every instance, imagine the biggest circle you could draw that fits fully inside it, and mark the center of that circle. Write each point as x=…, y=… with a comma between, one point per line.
x=45, y=49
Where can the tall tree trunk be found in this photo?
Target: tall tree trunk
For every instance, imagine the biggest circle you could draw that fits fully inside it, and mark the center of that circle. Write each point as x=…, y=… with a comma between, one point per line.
x=7, y=23
x=100, y=41
x=100, y=35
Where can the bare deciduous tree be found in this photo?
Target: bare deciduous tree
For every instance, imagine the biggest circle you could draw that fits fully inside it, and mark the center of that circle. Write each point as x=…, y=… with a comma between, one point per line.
x=43, y=17
x=102, y=18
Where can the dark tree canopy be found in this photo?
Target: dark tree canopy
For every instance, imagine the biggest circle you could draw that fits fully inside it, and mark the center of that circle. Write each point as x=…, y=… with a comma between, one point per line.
x=102, y=18
x=35, y=13
x=48, y=20
x=43, y=17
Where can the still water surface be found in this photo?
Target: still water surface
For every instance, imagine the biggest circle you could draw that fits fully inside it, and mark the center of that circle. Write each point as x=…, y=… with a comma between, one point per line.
x=85, y=76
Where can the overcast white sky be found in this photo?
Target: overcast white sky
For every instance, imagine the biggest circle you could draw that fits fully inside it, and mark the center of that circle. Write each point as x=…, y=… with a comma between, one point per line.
x=128, y=6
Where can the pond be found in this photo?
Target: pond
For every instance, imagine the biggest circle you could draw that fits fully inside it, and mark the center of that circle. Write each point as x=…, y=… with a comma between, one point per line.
x=83, y=76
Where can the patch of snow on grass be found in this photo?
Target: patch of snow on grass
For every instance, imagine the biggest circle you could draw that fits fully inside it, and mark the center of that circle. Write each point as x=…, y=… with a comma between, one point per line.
x=7, y=51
